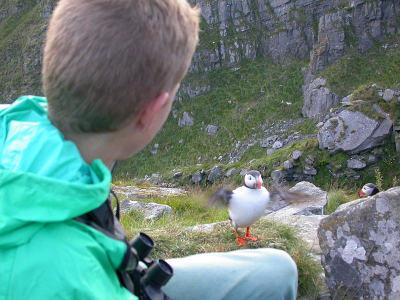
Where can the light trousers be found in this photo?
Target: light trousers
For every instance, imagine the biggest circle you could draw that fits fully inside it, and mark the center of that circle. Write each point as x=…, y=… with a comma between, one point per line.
x=238, y=275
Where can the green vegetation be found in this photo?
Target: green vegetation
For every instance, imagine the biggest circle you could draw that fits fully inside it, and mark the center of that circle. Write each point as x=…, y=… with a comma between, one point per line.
x=240, y=102
x=336, y=197
x=21, y=36
x=254, y=94
x=380, y=66
x=187, y=211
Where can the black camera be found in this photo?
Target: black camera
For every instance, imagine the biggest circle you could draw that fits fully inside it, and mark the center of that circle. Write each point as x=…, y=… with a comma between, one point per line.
x=148, y=276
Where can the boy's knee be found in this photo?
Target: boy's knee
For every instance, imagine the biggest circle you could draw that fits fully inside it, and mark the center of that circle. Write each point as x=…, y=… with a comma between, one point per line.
x=277, y=273
x=280, y=264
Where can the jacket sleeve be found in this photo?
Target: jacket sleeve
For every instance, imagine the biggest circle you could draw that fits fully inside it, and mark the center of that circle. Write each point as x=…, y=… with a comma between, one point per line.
x=64, y=264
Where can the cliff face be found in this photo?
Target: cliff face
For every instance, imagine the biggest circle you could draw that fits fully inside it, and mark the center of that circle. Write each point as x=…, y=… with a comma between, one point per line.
x=277, y=30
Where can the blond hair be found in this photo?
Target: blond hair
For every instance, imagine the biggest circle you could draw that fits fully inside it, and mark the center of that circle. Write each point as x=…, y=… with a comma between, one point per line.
x=103, y=59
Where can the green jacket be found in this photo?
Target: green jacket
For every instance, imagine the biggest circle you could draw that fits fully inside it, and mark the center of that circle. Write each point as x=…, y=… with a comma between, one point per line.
x=44, y=184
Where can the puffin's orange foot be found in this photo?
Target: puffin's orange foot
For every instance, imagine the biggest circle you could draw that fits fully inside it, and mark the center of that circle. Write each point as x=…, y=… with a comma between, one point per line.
x=241, y=241
x=248, y=236
x=251, y=238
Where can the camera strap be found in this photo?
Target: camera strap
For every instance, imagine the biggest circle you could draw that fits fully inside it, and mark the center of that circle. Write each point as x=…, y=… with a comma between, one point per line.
x=104, y=220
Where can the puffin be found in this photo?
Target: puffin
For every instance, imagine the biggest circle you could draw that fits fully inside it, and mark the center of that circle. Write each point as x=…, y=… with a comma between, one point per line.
x=368, y=189
x=247, y=203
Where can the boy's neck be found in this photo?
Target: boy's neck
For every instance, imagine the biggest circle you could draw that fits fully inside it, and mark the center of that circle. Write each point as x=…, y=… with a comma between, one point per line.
x=108, y=146
x=95, y=146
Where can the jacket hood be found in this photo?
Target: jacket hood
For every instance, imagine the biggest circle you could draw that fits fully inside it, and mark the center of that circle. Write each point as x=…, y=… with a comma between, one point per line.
x=43, y=178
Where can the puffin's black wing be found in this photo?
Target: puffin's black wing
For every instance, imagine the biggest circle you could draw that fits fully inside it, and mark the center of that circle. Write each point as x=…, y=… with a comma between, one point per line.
x=374, y=189
x=290, y=196
x=220, y=196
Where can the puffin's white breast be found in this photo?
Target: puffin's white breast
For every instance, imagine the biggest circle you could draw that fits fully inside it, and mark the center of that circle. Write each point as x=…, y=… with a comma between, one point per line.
x=246, y=205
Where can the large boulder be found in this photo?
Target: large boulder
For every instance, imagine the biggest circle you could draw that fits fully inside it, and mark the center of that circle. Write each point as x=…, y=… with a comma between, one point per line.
x=305, y=216
x=360, y=245
x=316, y=205
x=318, y=99
x=151, y=211
x=353, y=131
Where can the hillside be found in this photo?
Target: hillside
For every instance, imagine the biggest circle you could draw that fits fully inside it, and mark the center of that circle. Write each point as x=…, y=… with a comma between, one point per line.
x=256, y=101
x=247, y=86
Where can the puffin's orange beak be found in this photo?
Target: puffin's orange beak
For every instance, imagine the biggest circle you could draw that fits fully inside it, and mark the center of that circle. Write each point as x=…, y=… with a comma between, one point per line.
x=362, y=194
x=259, y=184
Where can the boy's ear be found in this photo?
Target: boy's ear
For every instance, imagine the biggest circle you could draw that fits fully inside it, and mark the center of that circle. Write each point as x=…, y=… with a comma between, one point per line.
x=149, y=112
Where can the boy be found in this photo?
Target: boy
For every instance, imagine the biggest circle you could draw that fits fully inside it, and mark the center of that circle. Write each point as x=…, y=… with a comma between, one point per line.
x=111, y=69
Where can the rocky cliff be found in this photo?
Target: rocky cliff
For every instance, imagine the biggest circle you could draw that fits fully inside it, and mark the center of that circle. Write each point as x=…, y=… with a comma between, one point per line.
x=282, y=30
x=277, y=30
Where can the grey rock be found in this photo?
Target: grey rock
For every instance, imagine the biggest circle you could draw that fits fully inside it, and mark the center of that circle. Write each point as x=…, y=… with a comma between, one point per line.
x=296, y=154
x=197, y=177
x=186, y=120
x=194, y=91
x=352, y=174
x=309, y=160
x=47, y=11
x=136, y=193
x=178, y=174
x=318, y=99
x=315, y=206
x=396, y=137
x=231, y=172
x=352, y=131
x=151, y=211
x=388, y=95
x=270, y=151
x=251, y=161
x=243, y=172
x=297, y=215
x=156, y=176
x=206, y=228
x=372, y=159
x=360, y=246
x=309, y=170
x=378, y=152
x=346, y=101
x=356, y=164
x=212, y=129
x=277, y=145
x=269, y=141
x=215, y=173
x=287, y=164
x=306, y=227
x=280, y=176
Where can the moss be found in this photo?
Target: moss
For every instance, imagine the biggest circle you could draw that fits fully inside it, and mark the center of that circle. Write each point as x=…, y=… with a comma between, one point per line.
x=350, y=35
x=364, y=98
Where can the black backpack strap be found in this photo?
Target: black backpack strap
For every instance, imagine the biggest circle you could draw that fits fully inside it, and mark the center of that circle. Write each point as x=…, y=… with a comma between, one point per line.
x=103, y=220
